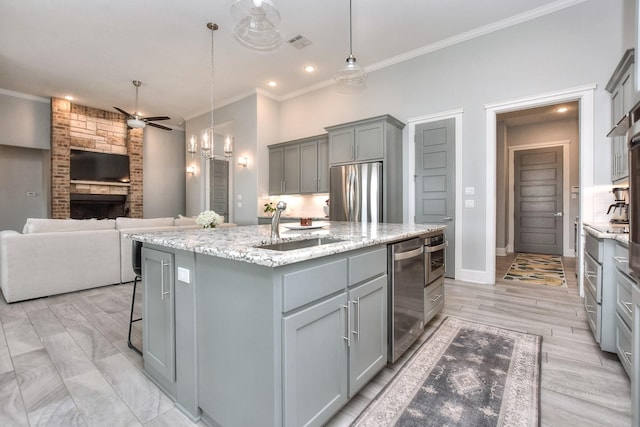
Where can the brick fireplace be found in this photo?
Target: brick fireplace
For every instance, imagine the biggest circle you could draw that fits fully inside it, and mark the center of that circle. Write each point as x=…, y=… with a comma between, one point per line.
x=85, y=128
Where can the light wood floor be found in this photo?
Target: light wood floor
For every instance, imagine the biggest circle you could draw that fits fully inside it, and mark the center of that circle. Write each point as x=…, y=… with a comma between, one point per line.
x=64, y=360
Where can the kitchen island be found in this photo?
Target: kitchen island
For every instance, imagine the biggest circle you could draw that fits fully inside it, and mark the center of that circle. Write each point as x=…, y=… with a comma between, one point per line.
x=240, y=335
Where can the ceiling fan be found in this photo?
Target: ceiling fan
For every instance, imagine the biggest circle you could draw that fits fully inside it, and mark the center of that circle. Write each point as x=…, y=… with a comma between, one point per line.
x=136, y=121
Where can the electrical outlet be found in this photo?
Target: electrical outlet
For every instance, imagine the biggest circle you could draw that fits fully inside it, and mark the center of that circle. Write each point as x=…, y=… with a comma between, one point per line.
x=183, y=275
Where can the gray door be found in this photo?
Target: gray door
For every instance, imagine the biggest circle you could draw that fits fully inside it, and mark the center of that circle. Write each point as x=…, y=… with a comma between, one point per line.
x=538, y=201
x=435, y=180
x=219, y=197
x=158, y=330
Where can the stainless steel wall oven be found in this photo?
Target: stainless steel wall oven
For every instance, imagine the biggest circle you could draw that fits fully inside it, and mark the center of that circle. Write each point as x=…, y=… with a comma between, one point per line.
x=633, y=140
x=434, y=256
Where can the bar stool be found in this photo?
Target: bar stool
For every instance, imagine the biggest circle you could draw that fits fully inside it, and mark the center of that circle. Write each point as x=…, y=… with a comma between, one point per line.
x=136, y=262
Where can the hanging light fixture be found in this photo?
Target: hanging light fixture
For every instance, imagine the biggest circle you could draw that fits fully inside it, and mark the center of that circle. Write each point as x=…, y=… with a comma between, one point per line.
x=352, y=75
x=206, y=137
x=257, y=24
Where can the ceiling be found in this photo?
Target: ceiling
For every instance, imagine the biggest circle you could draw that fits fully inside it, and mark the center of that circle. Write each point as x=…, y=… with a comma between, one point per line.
x=546, y=113
x=93, y=50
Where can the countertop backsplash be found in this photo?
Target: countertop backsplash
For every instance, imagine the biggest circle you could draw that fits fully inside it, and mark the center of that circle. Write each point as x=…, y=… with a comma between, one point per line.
x=299, y=206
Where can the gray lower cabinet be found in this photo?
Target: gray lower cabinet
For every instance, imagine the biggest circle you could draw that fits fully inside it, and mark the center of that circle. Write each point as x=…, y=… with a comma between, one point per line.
x=288, y=345
x=331, y=350
x=635, y=355
x=158, y=332
x=600, y=290
x=315, y=362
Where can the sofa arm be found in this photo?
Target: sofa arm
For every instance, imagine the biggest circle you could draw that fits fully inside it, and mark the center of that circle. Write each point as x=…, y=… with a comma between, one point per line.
x=43, y=264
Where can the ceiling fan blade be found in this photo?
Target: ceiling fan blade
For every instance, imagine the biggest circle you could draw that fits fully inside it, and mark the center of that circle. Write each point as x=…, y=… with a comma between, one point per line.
x=123, y=112
x=155, y=118
x=155, y=125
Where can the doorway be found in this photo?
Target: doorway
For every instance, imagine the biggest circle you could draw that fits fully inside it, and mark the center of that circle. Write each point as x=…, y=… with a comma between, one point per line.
x=219, y=187
x=453, y=117
x=435, y=179
x=537, y=200
x=585, y=98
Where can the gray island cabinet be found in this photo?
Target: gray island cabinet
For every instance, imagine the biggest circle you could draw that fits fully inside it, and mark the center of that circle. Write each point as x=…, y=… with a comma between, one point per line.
x=243, y=336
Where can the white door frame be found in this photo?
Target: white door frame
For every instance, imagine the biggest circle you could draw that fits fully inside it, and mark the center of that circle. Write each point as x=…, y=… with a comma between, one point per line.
x=410, y=173
x=583, y=94
x=566, y=172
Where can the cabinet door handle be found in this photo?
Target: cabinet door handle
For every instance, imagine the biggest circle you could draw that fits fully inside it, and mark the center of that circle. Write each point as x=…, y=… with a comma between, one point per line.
x=590, y=274
x=162, y=291
x=621, y=259
x=627, y=305
x=356, y=331
x=436, y=298
x=587, y=307
x=626, y=353
x=348, y=337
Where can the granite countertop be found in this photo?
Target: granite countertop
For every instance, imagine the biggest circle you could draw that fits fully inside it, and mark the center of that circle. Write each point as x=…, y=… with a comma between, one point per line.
x=608, y=231
x=238, y=243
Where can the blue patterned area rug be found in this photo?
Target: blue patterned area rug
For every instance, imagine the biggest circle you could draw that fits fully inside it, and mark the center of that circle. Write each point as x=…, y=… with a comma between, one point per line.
x=465, y=374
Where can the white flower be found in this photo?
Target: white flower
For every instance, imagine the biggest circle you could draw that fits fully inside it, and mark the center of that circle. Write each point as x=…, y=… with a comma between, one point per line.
x=209, y=219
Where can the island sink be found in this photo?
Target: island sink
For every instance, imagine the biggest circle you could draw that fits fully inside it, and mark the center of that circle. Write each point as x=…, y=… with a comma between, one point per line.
x=299, y=244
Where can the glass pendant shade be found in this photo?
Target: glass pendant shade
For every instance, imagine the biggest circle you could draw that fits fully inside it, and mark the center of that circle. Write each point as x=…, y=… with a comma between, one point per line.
x=257, y=24
x=352, y=74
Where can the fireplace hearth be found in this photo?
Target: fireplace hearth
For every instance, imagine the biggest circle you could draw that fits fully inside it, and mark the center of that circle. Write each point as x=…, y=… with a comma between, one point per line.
x=100, y=206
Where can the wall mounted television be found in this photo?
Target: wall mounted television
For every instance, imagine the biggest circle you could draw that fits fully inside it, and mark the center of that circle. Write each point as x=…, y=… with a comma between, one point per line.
x=95, y=166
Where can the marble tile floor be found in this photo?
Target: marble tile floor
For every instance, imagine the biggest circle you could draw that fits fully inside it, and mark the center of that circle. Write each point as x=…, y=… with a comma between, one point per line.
x=64, y=360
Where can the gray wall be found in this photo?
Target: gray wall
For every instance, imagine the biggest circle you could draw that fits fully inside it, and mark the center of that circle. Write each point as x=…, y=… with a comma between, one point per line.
x=163, y=173
x=25, y=120
x=576, y=46
x=23, y=170
x=243, y=114
x=24, y=158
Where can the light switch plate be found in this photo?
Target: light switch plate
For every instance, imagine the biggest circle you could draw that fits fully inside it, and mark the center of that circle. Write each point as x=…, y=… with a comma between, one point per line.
x=183, y=275
x=469, y=191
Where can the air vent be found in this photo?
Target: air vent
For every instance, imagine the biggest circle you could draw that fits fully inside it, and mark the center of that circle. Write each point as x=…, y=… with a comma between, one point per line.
x=299, y=42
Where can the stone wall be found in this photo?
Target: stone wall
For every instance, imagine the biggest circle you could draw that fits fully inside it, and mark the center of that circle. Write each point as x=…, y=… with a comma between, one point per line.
x=86, y=128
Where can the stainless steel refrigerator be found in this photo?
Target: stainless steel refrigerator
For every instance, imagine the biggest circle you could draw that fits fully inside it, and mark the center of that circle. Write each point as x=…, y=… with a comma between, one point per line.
x=355, y=192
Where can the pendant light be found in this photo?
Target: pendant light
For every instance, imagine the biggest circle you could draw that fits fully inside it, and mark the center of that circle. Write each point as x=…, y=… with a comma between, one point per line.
x=352, y=75
x=257, y=24
x=206, y=138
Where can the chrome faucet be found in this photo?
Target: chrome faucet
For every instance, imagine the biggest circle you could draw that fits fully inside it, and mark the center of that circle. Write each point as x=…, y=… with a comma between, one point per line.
x=275, y=221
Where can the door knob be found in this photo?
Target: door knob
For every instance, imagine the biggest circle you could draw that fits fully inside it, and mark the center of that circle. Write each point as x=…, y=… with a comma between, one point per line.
x=448, y=218
x=557, y=214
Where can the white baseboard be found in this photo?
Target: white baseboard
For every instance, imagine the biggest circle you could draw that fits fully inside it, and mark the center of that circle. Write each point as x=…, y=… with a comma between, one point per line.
x=502, y=251
x=476, y=276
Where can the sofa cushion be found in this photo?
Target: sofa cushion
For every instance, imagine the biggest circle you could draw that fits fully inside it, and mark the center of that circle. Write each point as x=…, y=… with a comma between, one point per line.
x=46, y=225
x=123, y=222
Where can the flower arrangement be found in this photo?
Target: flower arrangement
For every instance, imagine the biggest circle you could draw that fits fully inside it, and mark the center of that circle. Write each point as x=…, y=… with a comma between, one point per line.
x=269, y=208
x=209, y=219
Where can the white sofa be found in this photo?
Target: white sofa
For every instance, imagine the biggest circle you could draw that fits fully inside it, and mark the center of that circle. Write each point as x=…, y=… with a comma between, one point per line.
x=54, y=256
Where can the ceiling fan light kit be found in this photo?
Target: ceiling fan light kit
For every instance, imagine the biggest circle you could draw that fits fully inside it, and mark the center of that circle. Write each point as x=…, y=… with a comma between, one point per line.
x=257, y=24
x=351, y=75
x=135, y=121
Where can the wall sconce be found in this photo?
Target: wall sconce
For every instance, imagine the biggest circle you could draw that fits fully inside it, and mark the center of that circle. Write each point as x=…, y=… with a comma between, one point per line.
x=243, y=161
x=191, y=170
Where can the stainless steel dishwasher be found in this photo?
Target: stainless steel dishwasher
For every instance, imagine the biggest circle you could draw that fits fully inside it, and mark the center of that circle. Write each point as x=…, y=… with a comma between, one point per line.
x=406, y=295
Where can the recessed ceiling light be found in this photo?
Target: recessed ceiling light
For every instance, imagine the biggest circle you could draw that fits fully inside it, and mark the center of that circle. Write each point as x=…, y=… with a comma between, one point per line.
x=271, y=83
x=562, y=110
x=309, y=68
x=68, y=98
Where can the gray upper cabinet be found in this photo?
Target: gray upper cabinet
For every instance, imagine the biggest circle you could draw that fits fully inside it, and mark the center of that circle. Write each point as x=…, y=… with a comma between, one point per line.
x=377, y=139
x=158, y=312
x=621, y=87
x=299, y=167
x=284, y=169
x=365, y=140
